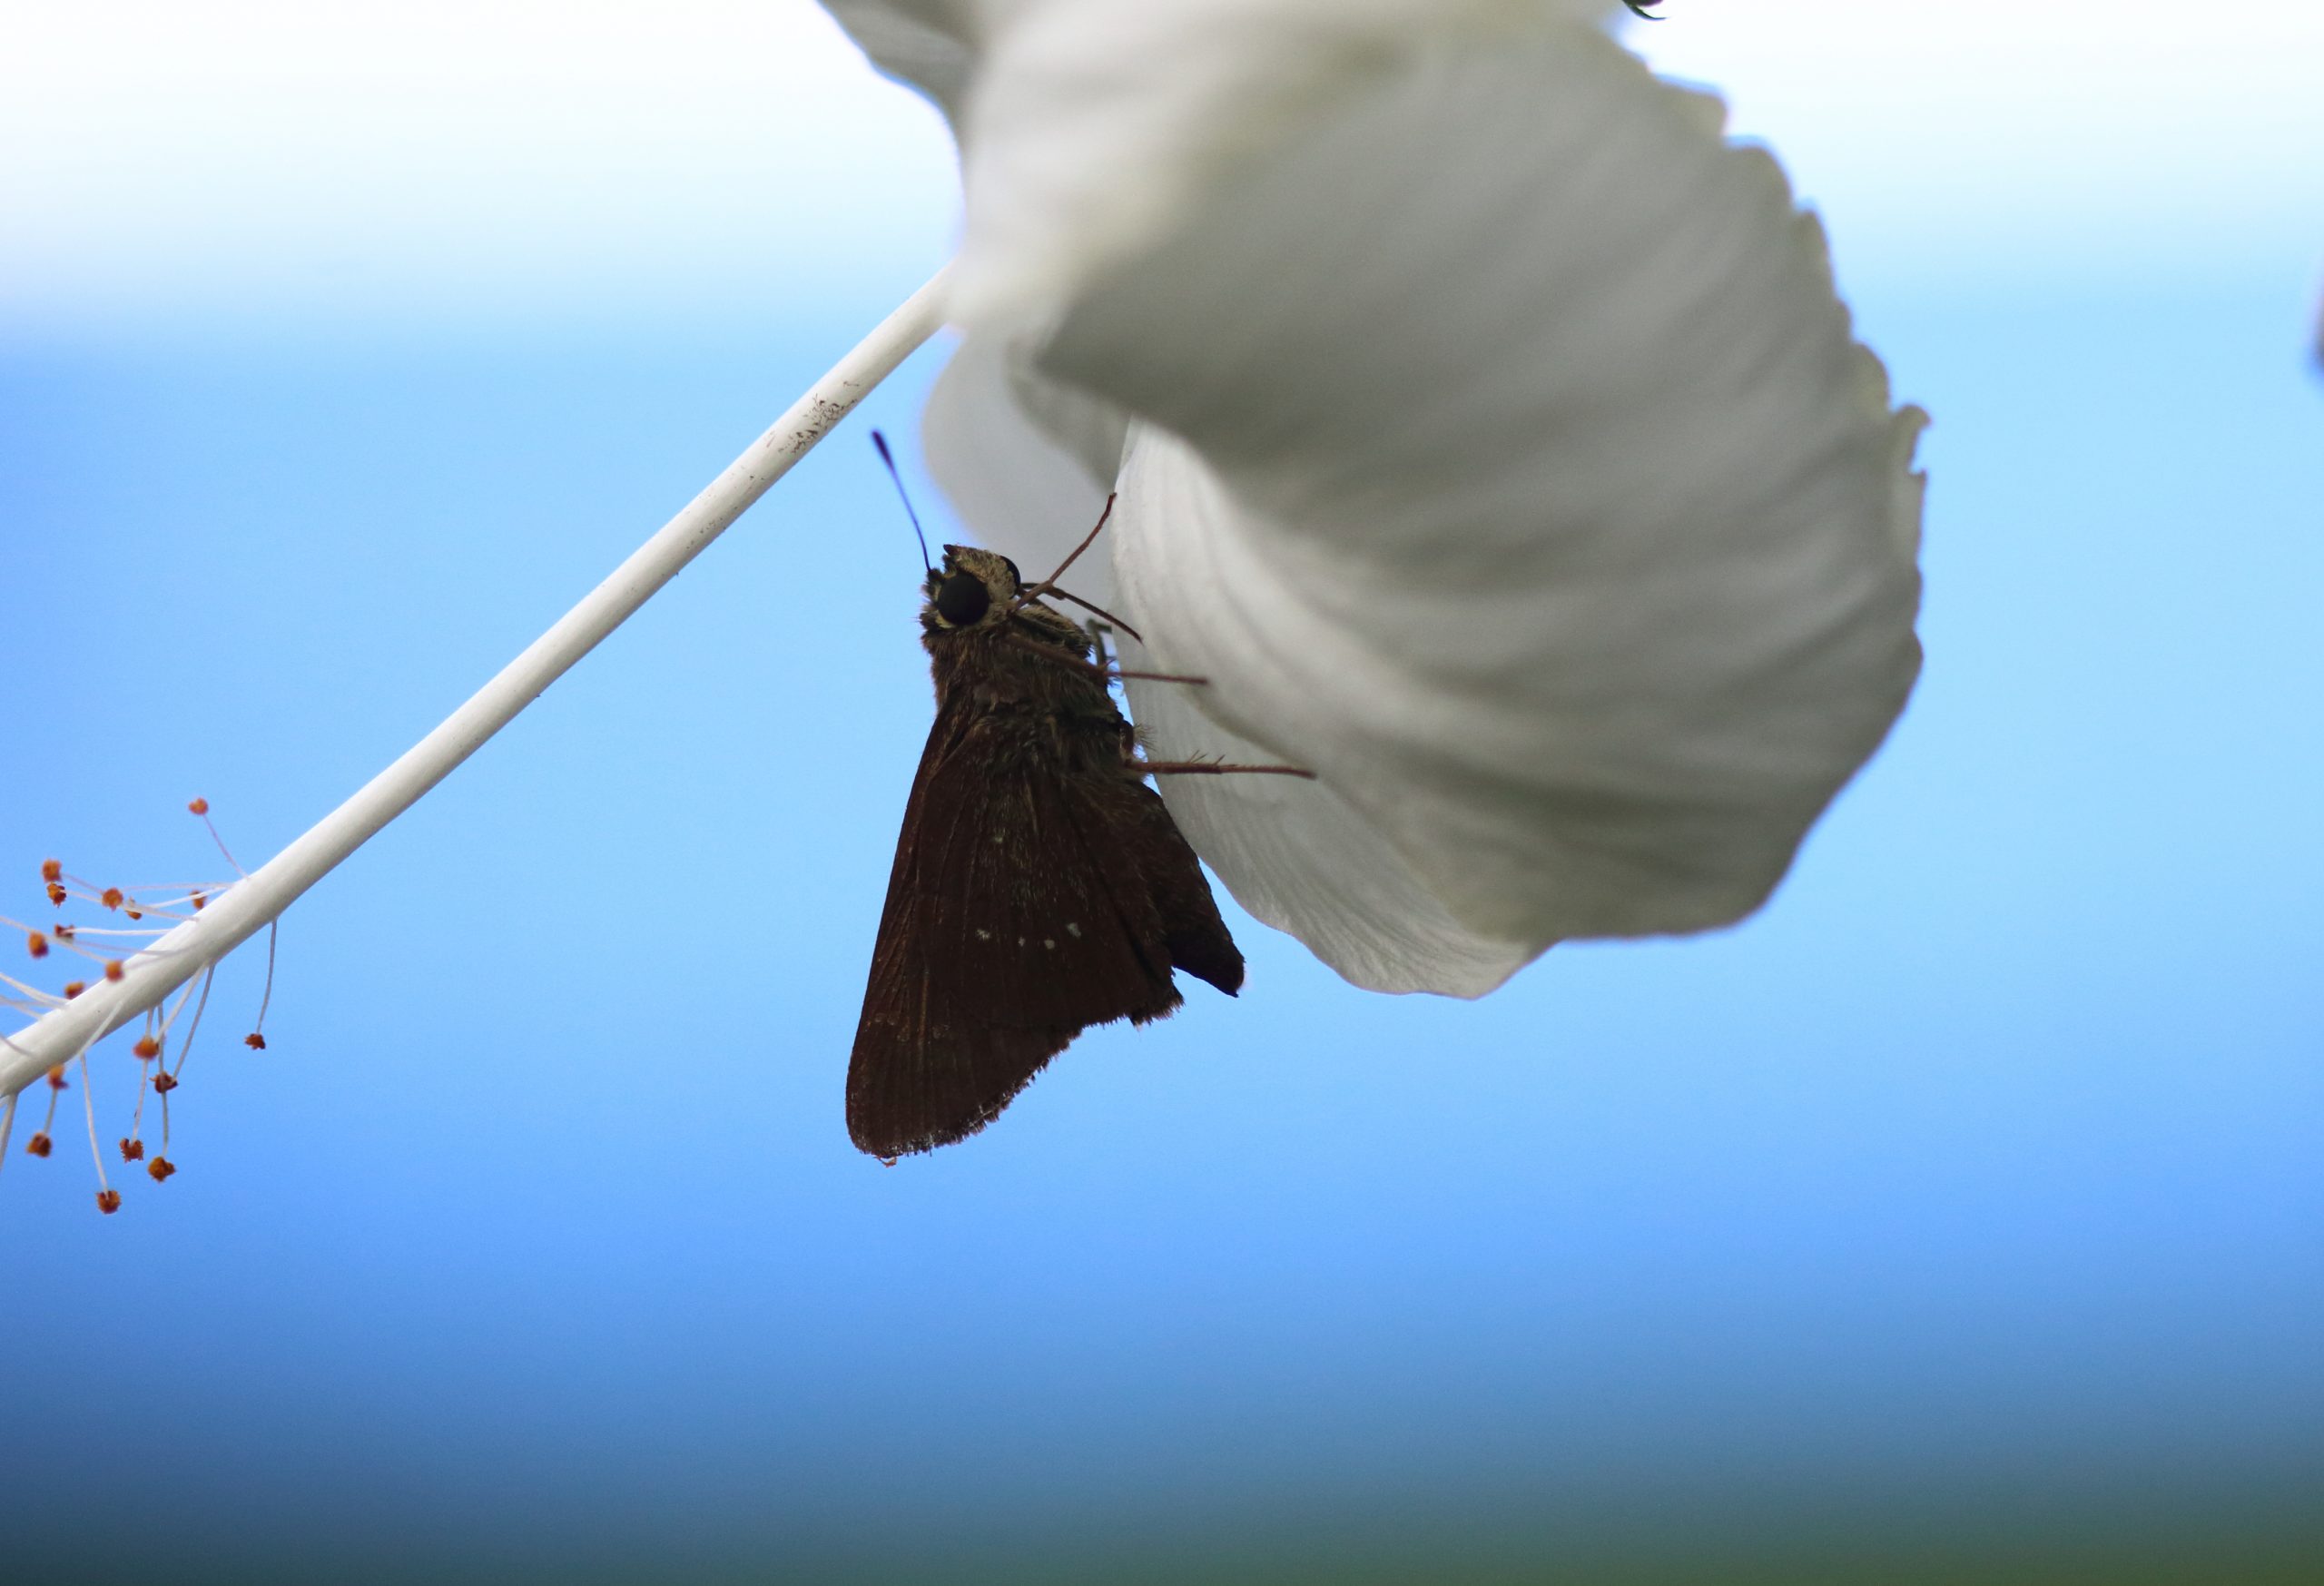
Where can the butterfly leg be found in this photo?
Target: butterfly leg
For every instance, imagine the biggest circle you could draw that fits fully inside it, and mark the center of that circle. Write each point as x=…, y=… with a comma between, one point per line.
x=1215, y=768
x=1107, y=674
x=1048, y=585
x=1101, y=611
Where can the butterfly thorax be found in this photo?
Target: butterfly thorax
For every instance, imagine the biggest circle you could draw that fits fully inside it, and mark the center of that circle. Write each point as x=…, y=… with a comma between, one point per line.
x=1025, y=668
x=1030, y=676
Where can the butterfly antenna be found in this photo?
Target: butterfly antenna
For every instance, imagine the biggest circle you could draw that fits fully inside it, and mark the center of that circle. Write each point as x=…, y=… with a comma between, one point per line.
x=880, y=442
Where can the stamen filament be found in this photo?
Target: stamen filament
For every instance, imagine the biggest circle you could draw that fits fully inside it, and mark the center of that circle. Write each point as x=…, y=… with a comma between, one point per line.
x=258, y=1025
x=89, y=1106
x=201, y=808
x=145, y=1075
x=38, y=998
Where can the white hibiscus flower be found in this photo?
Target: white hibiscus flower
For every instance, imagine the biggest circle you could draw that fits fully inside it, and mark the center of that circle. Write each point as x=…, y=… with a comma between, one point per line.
x=1487, y=430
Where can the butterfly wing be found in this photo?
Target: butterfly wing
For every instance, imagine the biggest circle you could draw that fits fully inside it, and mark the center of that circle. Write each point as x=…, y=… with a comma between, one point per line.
x=1025, y=905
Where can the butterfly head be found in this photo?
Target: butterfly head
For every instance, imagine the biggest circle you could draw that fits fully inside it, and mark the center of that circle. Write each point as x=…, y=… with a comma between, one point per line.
x=973, y=589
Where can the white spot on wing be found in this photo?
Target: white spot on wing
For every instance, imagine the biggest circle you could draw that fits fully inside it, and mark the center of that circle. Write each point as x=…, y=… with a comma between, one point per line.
x=1072, y=929
x=982, y=934
x=1049, y=942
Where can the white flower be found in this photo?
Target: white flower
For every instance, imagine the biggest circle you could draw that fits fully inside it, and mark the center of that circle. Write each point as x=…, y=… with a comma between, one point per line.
x=1487, y=429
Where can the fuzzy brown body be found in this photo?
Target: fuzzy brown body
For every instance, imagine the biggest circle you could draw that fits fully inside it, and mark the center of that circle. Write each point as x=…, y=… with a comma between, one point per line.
x=1040, y=885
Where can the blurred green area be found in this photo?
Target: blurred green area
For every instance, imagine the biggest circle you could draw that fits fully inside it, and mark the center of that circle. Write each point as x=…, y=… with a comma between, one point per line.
x=2254, y=1538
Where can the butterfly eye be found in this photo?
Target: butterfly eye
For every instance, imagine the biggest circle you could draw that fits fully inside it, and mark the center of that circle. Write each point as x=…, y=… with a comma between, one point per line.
x=963, y=600
x=1016, y=579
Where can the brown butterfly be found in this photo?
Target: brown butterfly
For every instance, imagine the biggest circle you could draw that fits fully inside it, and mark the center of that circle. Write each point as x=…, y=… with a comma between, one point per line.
x=1040, y=886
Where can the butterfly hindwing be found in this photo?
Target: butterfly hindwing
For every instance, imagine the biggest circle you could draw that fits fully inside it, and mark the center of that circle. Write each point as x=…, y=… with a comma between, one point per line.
x=1138, y=834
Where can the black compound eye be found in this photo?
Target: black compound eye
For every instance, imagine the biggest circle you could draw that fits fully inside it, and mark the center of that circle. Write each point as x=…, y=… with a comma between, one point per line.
x=963, y=600
x=1016, y=579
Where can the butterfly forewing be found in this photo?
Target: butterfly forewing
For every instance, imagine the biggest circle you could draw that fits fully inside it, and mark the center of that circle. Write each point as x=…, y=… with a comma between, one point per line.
x=1015, y=917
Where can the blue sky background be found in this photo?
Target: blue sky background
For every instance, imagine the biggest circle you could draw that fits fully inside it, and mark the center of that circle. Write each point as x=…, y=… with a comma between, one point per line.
x=1960, y=1213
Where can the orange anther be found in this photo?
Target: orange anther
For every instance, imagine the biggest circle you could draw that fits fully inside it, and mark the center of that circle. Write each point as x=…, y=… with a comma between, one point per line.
x=200, y=807
x=36, y=944
x=131, y=1150
x=55, y=894
x=74, y=988
x=56, y=1078
x=161, y=1167
x=133, y=914
x=113, y=969
x=108, y=1201
x=200, y=902
x=38, y=1146
x=255, y=1041
x=110, y=897
x=64, y=933
x=147, y=1048
x=165, y=1082
x=51, y=870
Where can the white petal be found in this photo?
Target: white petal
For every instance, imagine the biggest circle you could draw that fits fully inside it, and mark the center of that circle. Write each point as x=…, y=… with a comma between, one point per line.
x=925, y=43
x=1524, y=479
x=1295, y=854
x=1537, y=496
x=1094, y=124
x=1027, y=463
